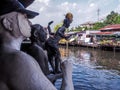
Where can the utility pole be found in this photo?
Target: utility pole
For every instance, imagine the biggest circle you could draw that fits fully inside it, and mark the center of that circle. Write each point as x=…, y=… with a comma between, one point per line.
x=98, y=13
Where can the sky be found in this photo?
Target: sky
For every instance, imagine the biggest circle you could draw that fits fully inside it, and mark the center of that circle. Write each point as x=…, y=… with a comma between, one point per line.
x=83, y=10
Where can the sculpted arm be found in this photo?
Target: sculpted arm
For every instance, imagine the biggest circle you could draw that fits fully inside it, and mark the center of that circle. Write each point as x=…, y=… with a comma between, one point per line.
x=61, y=32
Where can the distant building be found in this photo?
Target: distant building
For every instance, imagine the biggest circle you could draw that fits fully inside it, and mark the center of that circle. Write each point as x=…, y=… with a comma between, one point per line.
x=88, y=24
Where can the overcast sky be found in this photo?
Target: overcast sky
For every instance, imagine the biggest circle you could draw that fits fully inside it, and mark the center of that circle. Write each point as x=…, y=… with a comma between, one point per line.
x=83, y=10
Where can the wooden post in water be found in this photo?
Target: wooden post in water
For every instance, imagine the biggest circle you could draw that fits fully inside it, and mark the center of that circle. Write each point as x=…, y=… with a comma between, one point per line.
x=114, y=50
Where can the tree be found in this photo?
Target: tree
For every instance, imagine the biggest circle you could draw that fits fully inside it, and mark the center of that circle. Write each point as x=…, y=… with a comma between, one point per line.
x=98, y=25
x=57, y=26
x=112, y=18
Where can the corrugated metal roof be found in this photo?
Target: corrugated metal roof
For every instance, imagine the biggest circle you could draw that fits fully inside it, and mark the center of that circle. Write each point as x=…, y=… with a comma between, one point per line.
x=111, y=27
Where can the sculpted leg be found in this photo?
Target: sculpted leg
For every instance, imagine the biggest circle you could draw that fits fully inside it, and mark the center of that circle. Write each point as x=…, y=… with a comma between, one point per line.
x=57, y=64
x=54, y=77
x=57, y=61
x=51, y=61
x=67, y=83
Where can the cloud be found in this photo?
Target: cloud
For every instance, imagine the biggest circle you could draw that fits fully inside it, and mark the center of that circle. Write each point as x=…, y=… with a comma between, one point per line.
x=46, y=2
x=52, y=11
x=83, y=11
x=92, y=5
x=117, y=9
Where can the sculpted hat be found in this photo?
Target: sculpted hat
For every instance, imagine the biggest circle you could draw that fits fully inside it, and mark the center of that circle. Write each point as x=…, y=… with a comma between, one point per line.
x=69, y=15
x=7, y=6
x=26, y=3
x=68, y=18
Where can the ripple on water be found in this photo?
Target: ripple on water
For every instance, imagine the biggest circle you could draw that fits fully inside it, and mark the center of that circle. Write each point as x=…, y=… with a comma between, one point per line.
x=89, y=72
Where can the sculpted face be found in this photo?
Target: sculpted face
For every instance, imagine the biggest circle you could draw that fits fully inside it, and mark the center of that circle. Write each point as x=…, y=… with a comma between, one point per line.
x=24, y=25
x=39, y=33
x=16, y=23
x=67, y=22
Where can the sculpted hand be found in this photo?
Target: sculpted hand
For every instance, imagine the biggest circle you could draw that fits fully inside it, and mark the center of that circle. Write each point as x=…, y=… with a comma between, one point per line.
x=67, y=37
x=50, y=22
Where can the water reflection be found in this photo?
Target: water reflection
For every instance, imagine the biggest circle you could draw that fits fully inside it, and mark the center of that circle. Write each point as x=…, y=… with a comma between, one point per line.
x=93, y=69
x=92, y=57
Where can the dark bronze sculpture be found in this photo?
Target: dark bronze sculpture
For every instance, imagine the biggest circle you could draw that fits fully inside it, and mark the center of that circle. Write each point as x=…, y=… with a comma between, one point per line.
x=52, y=47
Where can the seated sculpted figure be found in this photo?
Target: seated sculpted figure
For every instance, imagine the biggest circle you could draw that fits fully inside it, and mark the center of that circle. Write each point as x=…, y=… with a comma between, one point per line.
x=38, y=37
x=18, y=70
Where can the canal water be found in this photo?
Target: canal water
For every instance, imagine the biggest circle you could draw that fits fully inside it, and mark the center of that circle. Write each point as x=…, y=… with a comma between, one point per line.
x=93, y=69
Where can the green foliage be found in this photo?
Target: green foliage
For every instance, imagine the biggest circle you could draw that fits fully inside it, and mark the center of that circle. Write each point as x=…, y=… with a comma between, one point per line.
x=57, y=26
x=112, y=18
x=98, y=25
x=78, y=28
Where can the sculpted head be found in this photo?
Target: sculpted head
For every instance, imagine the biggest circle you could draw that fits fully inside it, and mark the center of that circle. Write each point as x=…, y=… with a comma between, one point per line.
x=16, y=24
x=13, y=16
x=38, y=33
x=68, y=20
